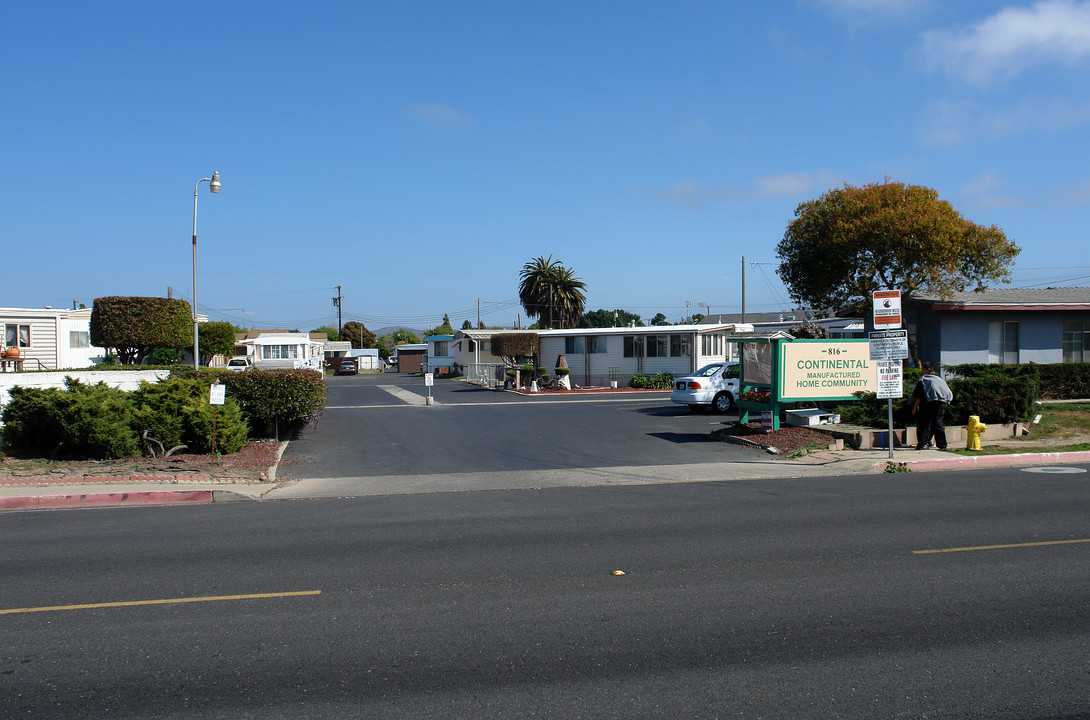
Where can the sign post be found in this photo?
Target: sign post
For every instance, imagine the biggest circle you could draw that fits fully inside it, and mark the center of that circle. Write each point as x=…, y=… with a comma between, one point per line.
x=887, y=349
x=217, y=395
x=429, y=380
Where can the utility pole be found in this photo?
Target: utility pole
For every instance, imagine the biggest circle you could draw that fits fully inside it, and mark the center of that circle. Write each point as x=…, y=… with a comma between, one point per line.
x=337, y=304
x=688, y=316
x=478, y=312
x=743, y=288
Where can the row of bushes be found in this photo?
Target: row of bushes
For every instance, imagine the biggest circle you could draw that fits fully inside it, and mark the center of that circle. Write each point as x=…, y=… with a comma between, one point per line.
x=97, y=421
x=659, y=381
x=995, y=393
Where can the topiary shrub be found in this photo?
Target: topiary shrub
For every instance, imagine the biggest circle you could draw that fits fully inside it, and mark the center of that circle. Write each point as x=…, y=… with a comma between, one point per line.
x=272, y=399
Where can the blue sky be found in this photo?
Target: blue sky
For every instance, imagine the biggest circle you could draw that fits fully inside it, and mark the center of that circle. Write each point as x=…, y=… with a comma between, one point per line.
x=419, y=153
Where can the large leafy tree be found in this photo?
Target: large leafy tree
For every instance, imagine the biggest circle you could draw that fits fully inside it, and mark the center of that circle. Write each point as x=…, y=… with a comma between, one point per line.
x=357, y=333
x=216, y=338
x=852, y=241
x=551, y=292
x=603, y=318
x=134, y=326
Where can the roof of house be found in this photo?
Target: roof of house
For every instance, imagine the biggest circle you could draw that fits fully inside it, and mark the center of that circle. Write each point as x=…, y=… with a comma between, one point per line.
x=474, y=334
x=647, y=330
x=438, y=338
x=1060, y=298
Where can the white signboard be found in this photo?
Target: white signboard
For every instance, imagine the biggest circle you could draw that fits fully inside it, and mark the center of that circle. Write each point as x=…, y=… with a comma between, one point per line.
x=890, y=379
x=429, y=379
x=889, y=345
x=218, y=395
x=887, y=308
x=824, y=369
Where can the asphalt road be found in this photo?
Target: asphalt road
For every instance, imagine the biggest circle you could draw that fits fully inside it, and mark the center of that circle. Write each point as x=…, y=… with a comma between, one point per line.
x=378, y=426
x=812, y=598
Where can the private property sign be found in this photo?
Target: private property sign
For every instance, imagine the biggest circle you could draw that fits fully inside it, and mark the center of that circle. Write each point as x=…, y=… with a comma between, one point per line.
x=825, y=369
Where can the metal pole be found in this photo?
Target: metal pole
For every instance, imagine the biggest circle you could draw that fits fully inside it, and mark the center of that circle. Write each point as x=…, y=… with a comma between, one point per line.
x=196, y=342
x=743, y=288
x=889, y=401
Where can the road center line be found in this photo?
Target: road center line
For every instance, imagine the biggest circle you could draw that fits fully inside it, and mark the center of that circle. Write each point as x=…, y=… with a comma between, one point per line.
x=166, y=601
x=1000, y=547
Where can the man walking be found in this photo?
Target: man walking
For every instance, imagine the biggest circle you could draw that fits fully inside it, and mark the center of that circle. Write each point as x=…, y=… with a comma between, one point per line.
x=928, y=398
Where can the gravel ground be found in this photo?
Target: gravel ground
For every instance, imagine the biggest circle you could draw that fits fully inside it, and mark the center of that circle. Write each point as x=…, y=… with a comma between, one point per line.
x=252, y=462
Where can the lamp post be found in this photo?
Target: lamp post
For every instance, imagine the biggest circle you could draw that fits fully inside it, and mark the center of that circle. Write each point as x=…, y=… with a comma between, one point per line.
x=214, y=186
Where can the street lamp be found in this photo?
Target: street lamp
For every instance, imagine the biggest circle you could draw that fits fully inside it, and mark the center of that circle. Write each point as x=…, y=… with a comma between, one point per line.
x=214, y=185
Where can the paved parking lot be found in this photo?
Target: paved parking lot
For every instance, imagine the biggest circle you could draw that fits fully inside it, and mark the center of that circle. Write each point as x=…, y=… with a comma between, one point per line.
x=379, y=427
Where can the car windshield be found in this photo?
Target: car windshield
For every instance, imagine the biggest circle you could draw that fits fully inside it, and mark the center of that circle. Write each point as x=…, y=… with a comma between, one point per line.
x=708, y=370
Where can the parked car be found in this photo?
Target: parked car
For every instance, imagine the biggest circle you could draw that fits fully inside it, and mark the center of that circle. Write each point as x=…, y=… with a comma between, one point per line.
x=346, y=367
x=715, y=386
x=239, y=363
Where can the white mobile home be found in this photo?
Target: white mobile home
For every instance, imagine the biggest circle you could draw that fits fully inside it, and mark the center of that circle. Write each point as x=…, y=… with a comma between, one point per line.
x=597, y=356
x=50, y=339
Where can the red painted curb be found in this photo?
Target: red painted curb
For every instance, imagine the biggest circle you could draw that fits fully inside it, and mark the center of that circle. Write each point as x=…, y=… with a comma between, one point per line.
x=151, y=497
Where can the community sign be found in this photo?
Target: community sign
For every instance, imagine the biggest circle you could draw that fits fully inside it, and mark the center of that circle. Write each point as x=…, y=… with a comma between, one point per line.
x=825, y=369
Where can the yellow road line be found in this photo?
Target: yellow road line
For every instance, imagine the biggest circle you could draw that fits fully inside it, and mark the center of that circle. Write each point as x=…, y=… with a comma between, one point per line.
x=167, y=601
x=1000, y=547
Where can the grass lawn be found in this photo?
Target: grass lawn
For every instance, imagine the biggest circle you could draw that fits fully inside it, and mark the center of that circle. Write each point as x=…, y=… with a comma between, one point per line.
x=1063, y=427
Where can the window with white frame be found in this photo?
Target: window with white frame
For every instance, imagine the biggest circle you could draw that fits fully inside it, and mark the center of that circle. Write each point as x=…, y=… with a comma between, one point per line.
x=279, y=352
x=17, y=336
x=1076, y=340
x=712, y=344
x=1003, y=342
x=441, y=348
x=574, y=345
x=79, y=339
x=633, y=346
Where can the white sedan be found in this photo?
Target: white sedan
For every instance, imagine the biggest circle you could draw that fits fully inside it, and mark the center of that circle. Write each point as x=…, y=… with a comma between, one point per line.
x=715, y=386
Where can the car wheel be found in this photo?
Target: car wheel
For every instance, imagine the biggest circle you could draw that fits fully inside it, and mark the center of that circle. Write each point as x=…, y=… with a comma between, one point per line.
x=697, y=408
x=723, y=402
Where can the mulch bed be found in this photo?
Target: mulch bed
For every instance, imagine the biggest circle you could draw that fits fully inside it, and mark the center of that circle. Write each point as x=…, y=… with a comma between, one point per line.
x=252, y=462
x=788, y=440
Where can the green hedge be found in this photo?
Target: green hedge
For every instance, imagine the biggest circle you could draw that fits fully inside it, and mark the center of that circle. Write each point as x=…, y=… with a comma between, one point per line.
x=101, y=422
x=659, y=381
x=1065, y=381
x=270, y=400
x=995, y=393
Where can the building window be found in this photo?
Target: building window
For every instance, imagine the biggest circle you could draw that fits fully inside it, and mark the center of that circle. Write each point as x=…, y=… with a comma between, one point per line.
x=1076, y=341
x=1003, y=342
x=658, y=346
x=596, y=344
x=632, y=346
x=79, y=339
x=712, y=344
x=441, y=348
x=279, y=352
x=679, y=345
x=17, y=336
x=574, y=345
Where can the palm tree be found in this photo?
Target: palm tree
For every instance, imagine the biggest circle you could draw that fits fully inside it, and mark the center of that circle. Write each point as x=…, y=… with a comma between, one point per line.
x=551, y=292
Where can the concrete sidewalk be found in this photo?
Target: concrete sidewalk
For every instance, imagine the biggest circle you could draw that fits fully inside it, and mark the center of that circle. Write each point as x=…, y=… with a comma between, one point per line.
x=112, y=491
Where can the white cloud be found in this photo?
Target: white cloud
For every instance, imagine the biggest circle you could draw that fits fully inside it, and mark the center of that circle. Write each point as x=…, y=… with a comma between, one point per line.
x=955, y=122
x=693, y=195
x=1008, y=42
x=984, y=192
x=439, y=117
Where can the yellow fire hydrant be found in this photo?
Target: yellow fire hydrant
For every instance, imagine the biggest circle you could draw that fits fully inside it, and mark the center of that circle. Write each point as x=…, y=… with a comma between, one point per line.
x=973, y=431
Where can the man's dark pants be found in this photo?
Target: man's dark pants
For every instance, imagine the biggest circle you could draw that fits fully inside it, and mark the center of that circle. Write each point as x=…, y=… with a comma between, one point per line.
x=929, y=423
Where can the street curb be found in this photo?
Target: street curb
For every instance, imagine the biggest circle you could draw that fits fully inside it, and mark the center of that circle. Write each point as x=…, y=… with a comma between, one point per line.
x=988, y=461
x=149, y=497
